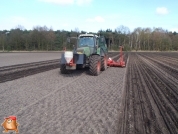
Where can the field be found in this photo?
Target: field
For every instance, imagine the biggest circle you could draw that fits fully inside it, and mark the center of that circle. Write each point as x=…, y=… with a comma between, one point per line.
x=141, y=98
x=150, y=101
x=15, y=58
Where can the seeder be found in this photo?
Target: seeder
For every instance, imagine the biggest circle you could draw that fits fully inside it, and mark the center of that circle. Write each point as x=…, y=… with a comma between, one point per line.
x=119, y=63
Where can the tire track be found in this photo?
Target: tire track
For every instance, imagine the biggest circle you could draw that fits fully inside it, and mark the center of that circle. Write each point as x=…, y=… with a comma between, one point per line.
x=87, y=105
x=30, y=90
x=51, y=93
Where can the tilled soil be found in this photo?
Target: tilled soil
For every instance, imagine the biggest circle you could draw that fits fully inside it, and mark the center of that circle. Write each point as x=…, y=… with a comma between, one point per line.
x=50, y=102
x=141, y=98
x=150, y=100
x=8, y=59
x=12, y=72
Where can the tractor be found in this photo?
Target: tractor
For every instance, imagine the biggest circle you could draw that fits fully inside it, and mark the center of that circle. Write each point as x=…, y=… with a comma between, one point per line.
x=89, y=51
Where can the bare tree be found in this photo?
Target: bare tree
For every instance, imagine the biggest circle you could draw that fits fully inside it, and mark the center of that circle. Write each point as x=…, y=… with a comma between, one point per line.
x=137, y=37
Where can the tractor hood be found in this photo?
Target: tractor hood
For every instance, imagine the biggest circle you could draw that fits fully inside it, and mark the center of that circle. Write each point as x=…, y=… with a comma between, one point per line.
x=85, y=50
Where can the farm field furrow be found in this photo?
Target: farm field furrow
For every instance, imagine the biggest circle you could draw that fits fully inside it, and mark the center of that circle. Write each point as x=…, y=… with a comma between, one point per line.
x=169, y=54
x=171, y=62
x=150, y=101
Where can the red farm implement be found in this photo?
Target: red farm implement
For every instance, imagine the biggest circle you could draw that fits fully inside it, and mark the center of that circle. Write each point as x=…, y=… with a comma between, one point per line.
x=119, y=63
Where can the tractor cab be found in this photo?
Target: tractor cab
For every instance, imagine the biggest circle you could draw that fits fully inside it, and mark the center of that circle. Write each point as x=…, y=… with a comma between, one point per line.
x=87, y=44
x=86, y=41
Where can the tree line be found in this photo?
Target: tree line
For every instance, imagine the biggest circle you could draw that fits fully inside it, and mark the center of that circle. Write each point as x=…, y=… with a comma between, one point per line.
x=43, y=38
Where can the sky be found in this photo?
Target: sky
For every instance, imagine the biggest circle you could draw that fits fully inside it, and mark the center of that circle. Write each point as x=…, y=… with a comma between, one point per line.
x=89, y=15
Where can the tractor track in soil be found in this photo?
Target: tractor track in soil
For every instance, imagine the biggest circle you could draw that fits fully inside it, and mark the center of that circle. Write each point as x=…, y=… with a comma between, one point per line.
x=150, y=101
x=8, y=73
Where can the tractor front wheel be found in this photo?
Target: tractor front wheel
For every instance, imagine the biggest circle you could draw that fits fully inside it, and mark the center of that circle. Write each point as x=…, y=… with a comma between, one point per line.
x=95, y=65
x=63, y=69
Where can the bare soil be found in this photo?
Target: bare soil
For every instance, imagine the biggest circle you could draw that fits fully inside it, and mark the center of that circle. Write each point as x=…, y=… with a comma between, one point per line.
x=150, y=100
x=141, y=98
x=52, y=103
x=8, y=59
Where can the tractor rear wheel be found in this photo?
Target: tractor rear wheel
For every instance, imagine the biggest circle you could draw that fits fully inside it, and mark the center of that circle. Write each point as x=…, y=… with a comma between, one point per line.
x=63, y=69
x=95, y=65
x=103, y=63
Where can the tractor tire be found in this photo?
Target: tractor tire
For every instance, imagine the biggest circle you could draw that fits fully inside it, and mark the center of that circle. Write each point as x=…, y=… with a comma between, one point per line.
x=95, y=65
x=63, y=69
x=104, y=63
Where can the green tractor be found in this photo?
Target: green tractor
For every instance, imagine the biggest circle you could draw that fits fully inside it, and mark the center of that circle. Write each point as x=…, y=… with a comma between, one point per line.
x=90, y=51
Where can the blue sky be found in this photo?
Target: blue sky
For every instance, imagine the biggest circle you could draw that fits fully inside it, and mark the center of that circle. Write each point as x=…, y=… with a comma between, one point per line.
x=89, y=15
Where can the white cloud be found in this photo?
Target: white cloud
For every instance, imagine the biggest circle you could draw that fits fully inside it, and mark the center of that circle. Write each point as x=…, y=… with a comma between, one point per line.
x=162, y=10
x=68, y=2
x=96, y=19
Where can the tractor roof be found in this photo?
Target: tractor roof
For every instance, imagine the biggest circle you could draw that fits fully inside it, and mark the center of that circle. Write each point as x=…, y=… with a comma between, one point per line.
x=85, y=35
